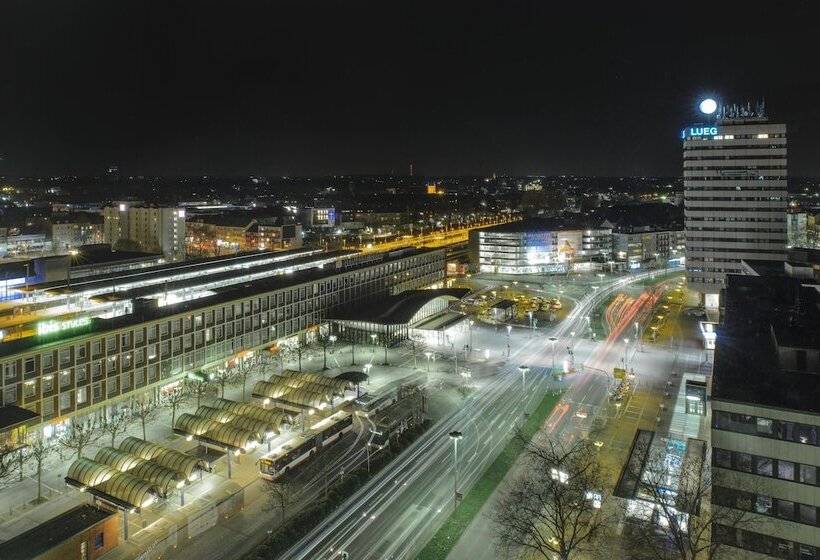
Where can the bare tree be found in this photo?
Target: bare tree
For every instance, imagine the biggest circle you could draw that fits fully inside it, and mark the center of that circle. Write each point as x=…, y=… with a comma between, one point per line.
x=36, y=453
x=223, y=377
x=199, y=388
x=9, y=462
x=115, y=425
x=244, y=371
x=280, y=496
x=175, y=398
x=144, y=409
x=77, y=436
x=682, y=509
x=553, y=509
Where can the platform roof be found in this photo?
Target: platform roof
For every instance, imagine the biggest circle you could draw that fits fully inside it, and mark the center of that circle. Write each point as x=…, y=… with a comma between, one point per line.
x=398, y=309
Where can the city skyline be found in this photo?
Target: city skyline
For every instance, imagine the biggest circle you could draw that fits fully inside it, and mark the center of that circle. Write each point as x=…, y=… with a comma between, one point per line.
x=322, y=90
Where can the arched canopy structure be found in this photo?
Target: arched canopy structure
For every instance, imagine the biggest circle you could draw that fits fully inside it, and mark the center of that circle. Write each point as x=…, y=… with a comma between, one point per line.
x=263, y=430
x=183, y=464
x=129, y=490
x=117, y=459
x=338, y=385
x=192, y=425
x=163, y=479
x=141, y=448
x=269, y=390
x=304, y=399
x=215, y=414
x=228, y=437
x=85, y=472
x=283, y=385
x=275, y=417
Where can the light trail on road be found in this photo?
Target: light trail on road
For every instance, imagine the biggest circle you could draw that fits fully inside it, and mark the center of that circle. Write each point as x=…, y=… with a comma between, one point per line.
x=400, y=508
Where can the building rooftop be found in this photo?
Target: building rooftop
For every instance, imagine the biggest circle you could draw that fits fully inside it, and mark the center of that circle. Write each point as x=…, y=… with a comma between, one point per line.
x=12, y=416
x=46, y=536
x=767, y=317
x=148, y=310
x=544, y=224
x=398, y=309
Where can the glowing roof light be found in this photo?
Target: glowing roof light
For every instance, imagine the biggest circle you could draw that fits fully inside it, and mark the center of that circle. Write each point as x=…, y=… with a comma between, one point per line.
x=708, y=106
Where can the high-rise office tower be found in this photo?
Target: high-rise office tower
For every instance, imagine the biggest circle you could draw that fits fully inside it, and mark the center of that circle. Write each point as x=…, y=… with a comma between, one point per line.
x=734, y=177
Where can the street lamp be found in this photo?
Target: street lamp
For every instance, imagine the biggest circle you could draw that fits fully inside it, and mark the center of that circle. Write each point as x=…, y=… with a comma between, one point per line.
x=455, y=435
x=428, y=355
x=529, y=314
x=471, y=323
x=523, y=370
x=553, y=340
x=626, y=352
x=509, y=330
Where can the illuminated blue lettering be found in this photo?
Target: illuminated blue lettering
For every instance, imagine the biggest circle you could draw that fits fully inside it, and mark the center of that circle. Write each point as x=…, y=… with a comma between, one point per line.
x=699, y=131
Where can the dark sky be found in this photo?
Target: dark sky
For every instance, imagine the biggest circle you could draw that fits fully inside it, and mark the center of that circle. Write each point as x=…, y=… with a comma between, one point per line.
x=313, y=88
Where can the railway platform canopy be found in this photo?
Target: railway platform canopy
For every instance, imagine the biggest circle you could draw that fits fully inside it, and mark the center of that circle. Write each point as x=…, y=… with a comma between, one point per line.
x=392, y=319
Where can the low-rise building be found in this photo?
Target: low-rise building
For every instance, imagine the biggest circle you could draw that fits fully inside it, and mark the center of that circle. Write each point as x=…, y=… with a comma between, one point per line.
x=644, y=246
x=538, y=246
x=69, y=231
x=83, y=533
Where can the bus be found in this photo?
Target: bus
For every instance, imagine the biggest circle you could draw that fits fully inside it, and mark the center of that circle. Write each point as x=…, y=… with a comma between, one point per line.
x=396, y=418
x=368, y=405
x=304, y=446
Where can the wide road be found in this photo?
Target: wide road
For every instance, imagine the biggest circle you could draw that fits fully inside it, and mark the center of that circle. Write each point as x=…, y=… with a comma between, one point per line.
x=395, y=514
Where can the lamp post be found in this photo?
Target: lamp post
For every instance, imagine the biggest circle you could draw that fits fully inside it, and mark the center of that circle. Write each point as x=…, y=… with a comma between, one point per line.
x=470, y=329
x=626, y=353
x=529, y=314
x=553, y=340
x=455, y=435
x=509, y=330
x=428, y=355
x=523, y=370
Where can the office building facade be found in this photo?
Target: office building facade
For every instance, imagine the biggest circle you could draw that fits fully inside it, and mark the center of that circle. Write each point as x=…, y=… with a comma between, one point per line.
x=734, y=174
x=766, y=419
x=90, y=365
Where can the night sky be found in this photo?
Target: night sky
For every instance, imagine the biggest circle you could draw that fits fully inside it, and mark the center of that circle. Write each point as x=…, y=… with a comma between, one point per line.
x=317, y=88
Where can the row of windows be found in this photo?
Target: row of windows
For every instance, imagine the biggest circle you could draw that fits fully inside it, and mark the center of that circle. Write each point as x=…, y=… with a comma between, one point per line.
x=750, y=219
x=738, y=230
x=694, y=251
x=765, y=427
x=765, y=466
x=723, y=157
x=764, y=544
x=721, y=168
x=765, y=505
x=742, y=178
x=736, y=198
x=706, y=145
x=779, y=209
x=752, y=240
